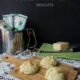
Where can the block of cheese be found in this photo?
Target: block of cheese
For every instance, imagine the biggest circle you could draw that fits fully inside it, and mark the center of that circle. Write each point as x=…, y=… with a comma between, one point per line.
x=60, y=46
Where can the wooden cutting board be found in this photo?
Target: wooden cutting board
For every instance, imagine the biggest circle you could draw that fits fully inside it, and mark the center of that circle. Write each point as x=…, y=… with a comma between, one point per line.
x=69, y=71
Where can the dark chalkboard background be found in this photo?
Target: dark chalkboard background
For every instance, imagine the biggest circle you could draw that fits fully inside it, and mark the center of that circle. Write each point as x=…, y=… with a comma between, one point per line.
x=53, y=20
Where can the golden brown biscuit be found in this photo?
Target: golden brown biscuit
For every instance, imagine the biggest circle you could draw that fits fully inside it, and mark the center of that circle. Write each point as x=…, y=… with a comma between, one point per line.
x=54, y=73
x=48, y=62
x=29, y=67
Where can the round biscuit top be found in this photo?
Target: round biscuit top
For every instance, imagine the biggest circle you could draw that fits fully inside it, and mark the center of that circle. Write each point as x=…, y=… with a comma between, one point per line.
x=29, y=67
x=48, y=62
x=54, y=73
